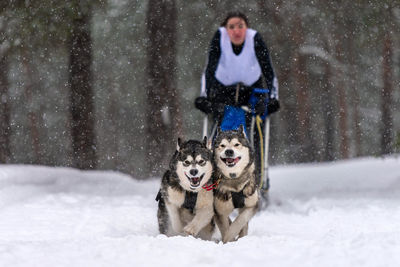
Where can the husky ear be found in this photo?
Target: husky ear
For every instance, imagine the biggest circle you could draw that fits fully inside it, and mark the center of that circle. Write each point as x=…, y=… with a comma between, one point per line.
x=209, y=145
x=179, y=144
x=241, y=130
x=219, y=130
x=205, y=141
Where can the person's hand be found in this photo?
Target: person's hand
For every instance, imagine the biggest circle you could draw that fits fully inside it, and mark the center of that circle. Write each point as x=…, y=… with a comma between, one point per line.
x=203, y=104
x=273, y=105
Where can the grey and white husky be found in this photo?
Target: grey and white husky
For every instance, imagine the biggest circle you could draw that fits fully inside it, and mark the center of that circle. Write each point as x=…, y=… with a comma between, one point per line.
x=186, y=198
x=237, y=186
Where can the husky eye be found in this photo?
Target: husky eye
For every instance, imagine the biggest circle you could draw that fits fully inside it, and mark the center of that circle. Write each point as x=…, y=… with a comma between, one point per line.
x=202, y=162
x=237, y=144
x=223, y=146
x=186, y=163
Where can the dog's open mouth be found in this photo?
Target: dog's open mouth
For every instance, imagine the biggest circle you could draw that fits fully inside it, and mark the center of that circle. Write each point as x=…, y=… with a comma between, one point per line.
x=230, y=162
x=194, y=181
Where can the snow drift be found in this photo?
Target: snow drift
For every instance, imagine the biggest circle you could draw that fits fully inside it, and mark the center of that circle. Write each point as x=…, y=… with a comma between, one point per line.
x=334, y=214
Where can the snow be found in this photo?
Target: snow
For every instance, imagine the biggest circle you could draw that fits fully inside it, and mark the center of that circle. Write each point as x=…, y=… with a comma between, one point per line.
x=345, y=213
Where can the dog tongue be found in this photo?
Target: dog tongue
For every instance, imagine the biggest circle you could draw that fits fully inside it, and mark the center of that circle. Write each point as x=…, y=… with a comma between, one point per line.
x=195, y=180
x=229, y=160
x=232, y=160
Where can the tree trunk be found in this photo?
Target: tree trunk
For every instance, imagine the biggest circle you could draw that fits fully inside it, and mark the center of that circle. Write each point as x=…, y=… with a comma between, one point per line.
x=344, y=141
x=31, y=88
x=386, y=96
x=350, y=54
x=354, y=94
x=341, y=87
x=82, y=106
x=304, y=135
x=5, y=129
x=163, y=113
x=328, y=113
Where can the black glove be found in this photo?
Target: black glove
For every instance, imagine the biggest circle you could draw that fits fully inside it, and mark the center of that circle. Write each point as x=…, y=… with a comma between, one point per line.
x=273, y=105
x=203, y=104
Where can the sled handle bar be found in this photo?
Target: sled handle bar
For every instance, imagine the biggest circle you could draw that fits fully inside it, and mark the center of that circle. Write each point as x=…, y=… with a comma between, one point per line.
x=261, y=90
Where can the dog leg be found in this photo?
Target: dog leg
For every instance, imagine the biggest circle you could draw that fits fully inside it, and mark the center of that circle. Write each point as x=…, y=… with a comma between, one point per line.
x=244, y=230
x=207, y=232
x=242, y=219
x=223, y=208
x=204, y=211
x=202, y=218
x=175, y=220
x=223, y=223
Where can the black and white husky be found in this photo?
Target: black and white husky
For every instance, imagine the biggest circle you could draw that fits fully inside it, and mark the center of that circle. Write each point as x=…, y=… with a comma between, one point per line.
x=237, y=186
x=186, y=198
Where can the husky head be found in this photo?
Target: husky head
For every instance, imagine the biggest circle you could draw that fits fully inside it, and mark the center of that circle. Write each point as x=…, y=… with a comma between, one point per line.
x=192, y=162
x=232, y=152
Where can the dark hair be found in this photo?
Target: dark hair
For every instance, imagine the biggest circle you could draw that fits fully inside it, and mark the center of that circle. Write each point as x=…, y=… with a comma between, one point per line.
x=235, y=14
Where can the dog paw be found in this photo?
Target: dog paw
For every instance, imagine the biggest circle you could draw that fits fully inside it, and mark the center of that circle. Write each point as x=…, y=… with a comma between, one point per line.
x=225, y=240
x=190, y=229
x=228, y=237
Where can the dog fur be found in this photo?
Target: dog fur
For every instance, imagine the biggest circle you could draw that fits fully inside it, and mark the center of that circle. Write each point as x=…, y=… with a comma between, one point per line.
x=185, y=207
x=237, y=186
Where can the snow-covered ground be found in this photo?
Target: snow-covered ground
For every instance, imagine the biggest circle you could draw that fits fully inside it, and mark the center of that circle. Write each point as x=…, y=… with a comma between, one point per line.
x=338, y=214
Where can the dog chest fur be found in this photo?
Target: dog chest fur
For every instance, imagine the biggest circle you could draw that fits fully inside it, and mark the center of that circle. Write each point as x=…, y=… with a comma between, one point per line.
x=204, y=199
x=252, y=200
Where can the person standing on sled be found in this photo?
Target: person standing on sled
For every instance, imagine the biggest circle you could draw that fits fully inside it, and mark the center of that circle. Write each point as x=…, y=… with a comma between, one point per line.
x=238, y=62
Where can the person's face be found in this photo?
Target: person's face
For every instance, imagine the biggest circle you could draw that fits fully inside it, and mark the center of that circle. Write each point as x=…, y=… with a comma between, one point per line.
x=236, y=28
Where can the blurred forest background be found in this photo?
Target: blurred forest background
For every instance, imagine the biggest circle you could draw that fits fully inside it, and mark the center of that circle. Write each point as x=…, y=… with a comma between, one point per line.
x=110, y=84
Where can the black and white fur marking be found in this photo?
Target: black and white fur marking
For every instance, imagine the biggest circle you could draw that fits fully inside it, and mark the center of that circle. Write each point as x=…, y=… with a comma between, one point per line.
x=185, y=208
x=237, y=188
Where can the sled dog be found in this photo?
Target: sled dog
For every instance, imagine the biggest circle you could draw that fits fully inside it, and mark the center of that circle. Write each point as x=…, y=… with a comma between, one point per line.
x=185, y=198
x=235, y=174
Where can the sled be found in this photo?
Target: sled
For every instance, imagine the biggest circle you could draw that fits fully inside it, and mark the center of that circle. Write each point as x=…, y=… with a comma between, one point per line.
x=255, y=125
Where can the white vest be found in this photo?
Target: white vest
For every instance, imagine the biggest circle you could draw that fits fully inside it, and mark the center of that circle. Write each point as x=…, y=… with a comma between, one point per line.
x=234, y=68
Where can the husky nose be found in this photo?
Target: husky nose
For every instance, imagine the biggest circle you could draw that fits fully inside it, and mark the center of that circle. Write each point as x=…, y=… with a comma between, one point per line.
x=193, y=172
x=229, y=153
